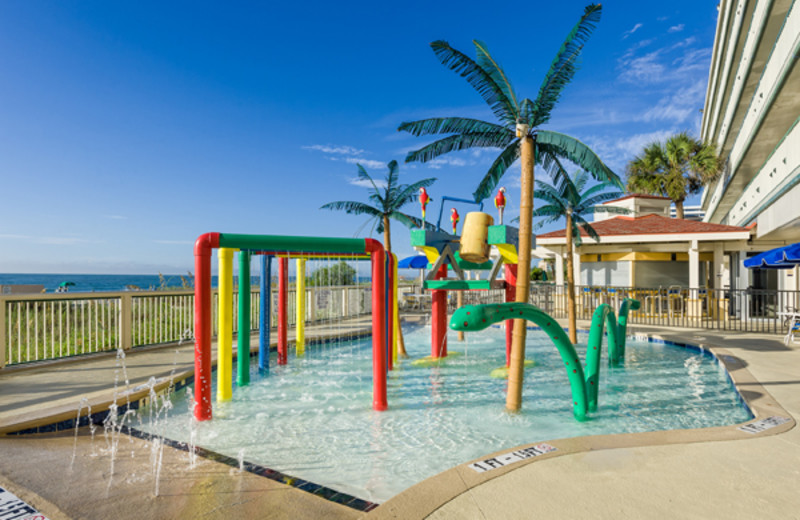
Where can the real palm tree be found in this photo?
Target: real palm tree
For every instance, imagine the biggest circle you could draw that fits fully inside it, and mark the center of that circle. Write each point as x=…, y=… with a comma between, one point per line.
x=387, y=200
x=679, y=168
x=568, y=200
x=519, y=136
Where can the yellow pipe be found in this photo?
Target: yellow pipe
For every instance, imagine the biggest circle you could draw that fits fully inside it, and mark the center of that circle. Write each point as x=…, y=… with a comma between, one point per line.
x=395, y=312
x=300, y=337
x=225, y=325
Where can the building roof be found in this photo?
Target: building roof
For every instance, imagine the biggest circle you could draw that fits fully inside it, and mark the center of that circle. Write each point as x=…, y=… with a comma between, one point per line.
x=638, y=196
x=651, y=224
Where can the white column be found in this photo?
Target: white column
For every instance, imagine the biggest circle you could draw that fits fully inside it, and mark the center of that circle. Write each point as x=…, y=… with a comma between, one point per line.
x=694, y=266
x=559, y=268
x=718, y=264
x=576, y=264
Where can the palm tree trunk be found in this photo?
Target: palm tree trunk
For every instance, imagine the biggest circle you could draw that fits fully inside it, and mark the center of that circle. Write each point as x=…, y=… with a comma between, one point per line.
x=387, y=239
x=517, y=361
x=678, y=209
x=387, y=234
x=571, y=319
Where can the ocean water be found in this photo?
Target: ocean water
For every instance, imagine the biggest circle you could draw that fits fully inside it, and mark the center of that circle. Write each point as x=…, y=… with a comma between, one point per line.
x=98, y=282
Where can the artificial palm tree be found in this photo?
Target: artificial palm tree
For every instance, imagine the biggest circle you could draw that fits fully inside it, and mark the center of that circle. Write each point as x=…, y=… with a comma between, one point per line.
x=679, y=168
x=567, y=199
x=388, y=200
x=519, y=136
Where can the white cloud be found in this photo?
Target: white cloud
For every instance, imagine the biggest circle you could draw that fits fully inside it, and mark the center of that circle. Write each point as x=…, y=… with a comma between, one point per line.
x=675, y=28
x=678, y=106
x=364, y=183
x=665, y=64
x=333, y=149
x=616, y=152
x=643, y=69
x=366, y=163
x=633, y=30
x=437, y=163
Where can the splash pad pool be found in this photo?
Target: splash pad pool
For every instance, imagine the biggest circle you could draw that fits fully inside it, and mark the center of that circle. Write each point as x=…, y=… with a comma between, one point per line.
x=311, y=418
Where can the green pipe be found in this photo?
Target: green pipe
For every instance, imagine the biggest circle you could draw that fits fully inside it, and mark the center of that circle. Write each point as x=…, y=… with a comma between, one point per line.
x=479, y=317
x=243, y=336
x=629, y=304
x=290, y=243
x=604, y=315
x=584, y=386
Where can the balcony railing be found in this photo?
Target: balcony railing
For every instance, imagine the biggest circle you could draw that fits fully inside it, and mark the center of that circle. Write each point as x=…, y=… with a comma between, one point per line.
x=725, y=309
x=52, y=326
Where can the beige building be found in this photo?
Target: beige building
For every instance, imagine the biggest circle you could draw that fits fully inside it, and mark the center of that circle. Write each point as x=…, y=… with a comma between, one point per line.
x=648, y=249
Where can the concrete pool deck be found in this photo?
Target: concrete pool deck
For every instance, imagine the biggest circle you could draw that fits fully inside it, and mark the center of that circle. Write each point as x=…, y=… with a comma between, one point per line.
x=706, y=473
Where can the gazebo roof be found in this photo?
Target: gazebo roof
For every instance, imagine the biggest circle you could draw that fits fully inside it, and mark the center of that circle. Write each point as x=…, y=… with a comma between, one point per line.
x=650, y=224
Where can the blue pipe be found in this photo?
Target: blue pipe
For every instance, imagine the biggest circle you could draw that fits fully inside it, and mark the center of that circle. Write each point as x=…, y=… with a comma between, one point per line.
x=454, y=199
x=265, y=313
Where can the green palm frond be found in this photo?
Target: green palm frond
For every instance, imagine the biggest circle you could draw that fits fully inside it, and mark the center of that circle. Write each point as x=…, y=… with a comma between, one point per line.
x=496, y=171
x=548, y=193
x=594, y=200
x=553, y=166
x=681, y=166
x=526, y=109
x=410, y=221
x=378, y=199
x=581, y=177
x=391, y=177
x=580, y=221
x=364, y=176
x=480, y=80
x=553, y=211
x=409, y=193
x=490, y=65
x=451, y=125
x=562, y=145
x=352, y=207
x=459, y=142
x=601, y=187
x=564, y=65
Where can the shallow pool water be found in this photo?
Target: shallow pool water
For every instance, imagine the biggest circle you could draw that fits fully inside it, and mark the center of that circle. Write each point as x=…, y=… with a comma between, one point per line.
x=312, y=418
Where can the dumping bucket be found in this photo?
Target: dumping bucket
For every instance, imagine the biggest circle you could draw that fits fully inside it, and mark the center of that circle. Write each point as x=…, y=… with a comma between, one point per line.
x=474, y=236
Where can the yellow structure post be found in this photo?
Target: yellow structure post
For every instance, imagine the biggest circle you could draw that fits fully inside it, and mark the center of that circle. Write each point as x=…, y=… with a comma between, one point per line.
x=225, y=325
x=300, y=336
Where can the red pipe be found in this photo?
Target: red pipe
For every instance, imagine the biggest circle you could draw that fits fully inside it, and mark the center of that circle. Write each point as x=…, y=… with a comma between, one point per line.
x=377, y=254
x=511, y=296
x=202, y=324
x=439, y=318
x=283, y=290
x=390, y=312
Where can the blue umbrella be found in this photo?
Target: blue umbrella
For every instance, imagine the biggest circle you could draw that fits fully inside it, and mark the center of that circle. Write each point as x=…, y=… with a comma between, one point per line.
x=413, y=262
x=780, y=258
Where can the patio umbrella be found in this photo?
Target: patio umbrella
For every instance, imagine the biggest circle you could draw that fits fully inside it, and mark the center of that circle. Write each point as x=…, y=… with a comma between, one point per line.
x=413, y=262
x=67, y=284
x=780, y=258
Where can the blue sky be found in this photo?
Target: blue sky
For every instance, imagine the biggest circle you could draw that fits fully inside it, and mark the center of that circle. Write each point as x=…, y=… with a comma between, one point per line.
x=127, y=129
